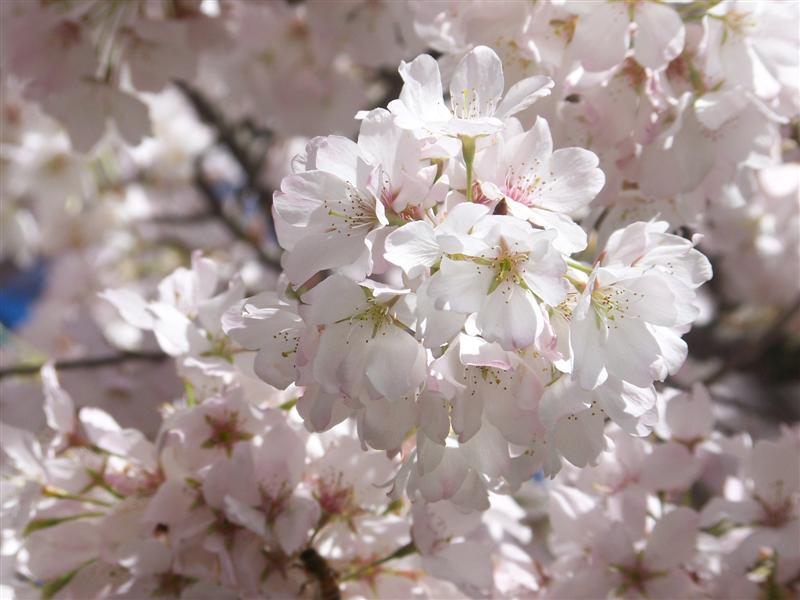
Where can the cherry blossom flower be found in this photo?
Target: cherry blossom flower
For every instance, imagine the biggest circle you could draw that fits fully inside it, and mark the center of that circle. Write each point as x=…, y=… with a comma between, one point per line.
x=640, y=296
x=477, y=102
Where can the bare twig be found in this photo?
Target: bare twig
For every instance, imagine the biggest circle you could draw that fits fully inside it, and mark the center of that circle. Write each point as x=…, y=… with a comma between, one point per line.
x=231, y=224
x=189, y=219
x=84, y=363
x=230, y=138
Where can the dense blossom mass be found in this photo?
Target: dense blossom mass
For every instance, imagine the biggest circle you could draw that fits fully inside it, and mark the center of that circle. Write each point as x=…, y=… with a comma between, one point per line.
x=309, y=324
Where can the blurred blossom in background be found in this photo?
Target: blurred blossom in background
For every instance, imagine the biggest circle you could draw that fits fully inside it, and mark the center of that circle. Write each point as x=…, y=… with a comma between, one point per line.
x=400, y=299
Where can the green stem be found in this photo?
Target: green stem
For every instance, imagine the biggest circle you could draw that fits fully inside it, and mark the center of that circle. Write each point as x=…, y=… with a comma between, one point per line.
x=579, y=285
x=61, y=495
x=46, y=523
x=468, y=149
x=406, y=550
x=51, y=588
x=579, y=266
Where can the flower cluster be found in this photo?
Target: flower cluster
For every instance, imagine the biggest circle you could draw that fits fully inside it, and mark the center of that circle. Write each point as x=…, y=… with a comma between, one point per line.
x=690, y=514
x=456, y=304
x=682, y=102
x=460, y=345
x=210, y=509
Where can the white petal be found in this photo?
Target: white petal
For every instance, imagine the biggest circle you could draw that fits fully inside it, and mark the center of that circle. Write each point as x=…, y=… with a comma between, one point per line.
x=131, y=307
x=560, y=399
x=466, y=415
x=144, y=557
x=670, y=467
x=631, y=352
x=511, y=317
x=460, y=285
x=672, y=350
x=336, y=155
x=396, y=366
x=413, y=248
x=58, y=405
x=688, y=415
x=434, y=418
x=472, y=495
x=384, y=424
x=544, y=271
x=231, y=477
x=273, y=365
x=341, y=360
x=319, y=251
x=446, y=479
x=659, y=35
x=333, y=299
x=477, y=84
x=321, y=410
x=24, y=450
x=570, y=238
x=466, y=563
x=615, y=547
x=421, y=97
x=462, y=217
x=522, y=94
x=276, y=474
x=472, y=350
x=572, y=182
x=579, y=437
x=239, y=513
x=602, y=36
x=588, y=336
x=305, y=193
x=294, y=523
x=672, y=540
x=775, y=469
x=54, y=551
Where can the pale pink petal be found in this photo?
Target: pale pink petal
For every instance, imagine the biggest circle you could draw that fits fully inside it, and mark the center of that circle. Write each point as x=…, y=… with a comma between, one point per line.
x=672, y=540
x=659, y=35
x=522, y=94
x=602, y=36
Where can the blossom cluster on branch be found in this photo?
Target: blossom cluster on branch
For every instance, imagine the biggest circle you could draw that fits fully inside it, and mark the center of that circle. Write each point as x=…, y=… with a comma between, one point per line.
x=519, y=318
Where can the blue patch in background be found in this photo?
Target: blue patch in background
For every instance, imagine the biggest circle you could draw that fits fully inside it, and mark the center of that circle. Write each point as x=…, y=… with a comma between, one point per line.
x=19, y=291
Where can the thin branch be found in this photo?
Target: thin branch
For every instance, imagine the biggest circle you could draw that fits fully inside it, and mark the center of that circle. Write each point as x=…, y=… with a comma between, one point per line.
x=177, y=219
x=232, y=225
x=84, y=363
x=209, y=115
x=227, y=137
x=230, y=138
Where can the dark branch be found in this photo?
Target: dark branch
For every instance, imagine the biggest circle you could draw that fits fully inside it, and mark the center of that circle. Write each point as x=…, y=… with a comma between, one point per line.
x=231, y=224
x=752, y=353
x=84, y=363
x=189, y=219
x=232, y=139
x=229, y=137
